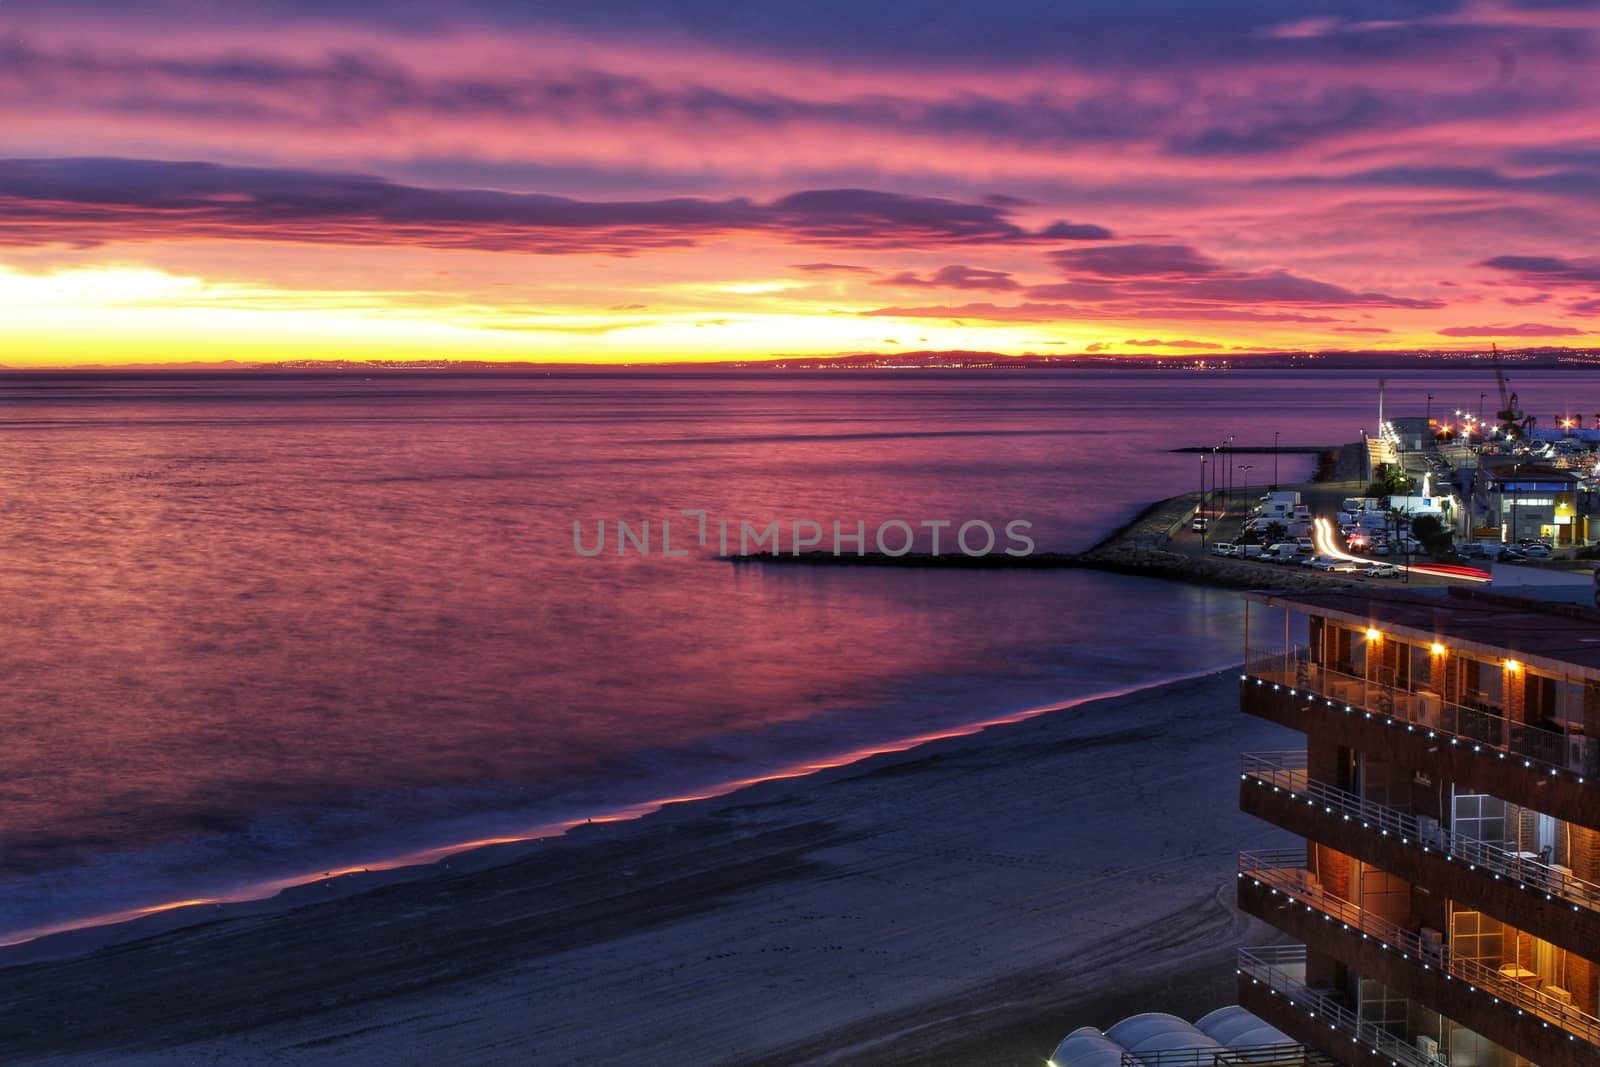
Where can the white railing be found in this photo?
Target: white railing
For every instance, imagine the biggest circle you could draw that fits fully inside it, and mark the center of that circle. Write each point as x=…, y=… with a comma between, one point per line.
x=1285, y=872
x=1281, y=968
x=1482, y=725
x=1287, y=771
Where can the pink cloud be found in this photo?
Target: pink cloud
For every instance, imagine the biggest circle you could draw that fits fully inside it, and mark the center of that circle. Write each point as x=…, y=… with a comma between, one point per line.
x=954, y=276
x=1523, y=329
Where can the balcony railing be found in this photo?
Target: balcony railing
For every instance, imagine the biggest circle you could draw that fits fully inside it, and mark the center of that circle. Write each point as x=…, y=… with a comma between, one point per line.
x=1285, y=872
x=1481, y=725
x=1281, y=968
x=1286, y=771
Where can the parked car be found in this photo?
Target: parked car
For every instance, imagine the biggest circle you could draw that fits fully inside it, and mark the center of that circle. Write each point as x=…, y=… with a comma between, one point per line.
x=1382, y=570
x=1225, y=548
x=1512, y=554
x=1345, y=566
x=1199, y=523
x=1538, y=551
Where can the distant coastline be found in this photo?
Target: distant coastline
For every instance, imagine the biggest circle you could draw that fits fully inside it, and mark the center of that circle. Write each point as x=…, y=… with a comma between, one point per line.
x=870, y=363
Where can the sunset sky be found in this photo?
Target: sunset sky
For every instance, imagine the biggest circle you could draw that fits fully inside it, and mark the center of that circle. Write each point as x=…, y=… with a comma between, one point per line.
x=623, y=181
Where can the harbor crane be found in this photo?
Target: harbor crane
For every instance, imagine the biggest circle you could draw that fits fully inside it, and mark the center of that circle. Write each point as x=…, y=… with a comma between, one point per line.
x=1513, y=422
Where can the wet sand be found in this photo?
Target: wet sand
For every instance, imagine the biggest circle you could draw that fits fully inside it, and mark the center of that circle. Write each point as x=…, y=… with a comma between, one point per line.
x=967, y=902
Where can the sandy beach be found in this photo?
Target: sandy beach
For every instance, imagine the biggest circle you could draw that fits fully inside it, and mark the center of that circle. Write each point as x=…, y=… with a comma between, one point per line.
x=969, y=901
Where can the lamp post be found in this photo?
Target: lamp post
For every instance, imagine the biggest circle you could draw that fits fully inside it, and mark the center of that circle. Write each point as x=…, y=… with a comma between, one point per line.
x=1480, y=407
x=1247, y=468
x=1511, y=504
x=1229, y=492
x=1201, y=510
x=1216, y=480
x=1428, y=414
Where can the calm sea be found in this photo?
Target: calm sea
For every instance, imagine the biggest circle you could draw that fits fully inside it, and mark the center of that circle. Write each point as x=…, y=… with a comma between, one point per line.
x=265, y=627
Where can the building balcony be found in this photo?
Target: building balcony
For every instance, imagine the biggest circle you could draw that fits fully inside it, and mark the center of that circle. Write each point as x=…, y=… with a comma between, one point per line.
x=1272, y=985
x=1276, y=888
x=1525, y=763
x=1517, y=888
x=1480, y=724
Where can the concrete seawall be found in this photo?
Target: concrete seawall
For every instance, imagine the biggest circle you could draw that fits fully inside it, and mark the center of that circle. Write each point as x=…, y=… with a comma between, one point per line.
x=1146, y=545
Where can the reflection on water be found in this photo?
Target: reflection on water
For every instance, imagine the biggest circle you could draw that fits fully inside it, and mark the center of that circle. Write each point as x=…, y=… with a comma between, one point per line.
x=263, y=626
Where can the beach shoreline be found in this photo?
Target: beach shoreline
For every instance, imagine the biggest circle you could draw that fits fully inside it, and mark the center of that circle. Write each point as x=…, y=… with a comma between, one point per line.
x=605, y=907
x=89, y=933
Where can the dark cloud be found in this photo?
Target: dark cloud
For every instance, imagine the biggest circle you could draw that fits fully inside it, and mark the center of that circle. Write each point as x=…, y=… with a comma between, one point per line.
x=1281, y=287
x=1135, y=260
x=1584, y=307
x=1524, y=329
x=996, y=35
x=861, y=217
x=831, y=268
x=1045, y=311
x=1070, y=231
x=1287, y=125
x=1284, y=121
x=984, y=311
x=1525, y=301
x=1573, y=182
x=1360, y=329
x=1178, y=275
x=86, y=202
x=1156, y=342
x=954, y=276
x=1548, y=270
x=355, y=91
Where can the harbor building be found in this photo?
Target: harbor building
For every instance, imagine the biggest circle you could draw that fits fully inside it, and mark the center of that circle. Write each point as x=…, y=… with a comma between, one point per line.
x=1524, y=500
x=1445, y=905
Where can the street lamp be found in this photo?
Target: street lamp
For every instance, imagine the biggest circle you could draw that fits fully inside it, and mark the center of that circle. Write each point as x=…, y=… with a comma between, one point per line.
x=1230, y=475
x=1247, y=468
x=1201, y=510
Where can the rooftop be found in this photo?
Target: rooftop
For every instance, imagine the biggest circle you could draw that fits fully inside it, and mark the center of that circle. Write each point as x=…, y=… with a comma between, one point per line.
x=1559, y=637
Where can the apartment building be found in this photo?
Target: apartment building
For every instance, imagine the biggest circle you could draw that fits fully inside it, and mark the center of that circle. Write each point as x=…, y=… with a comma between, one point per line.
x=1445, y=907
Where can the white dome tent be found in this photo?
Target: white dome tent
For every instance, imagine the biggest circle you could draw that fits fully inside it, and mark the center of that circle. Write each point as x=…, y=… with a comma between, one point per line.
x=1155, y=1036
